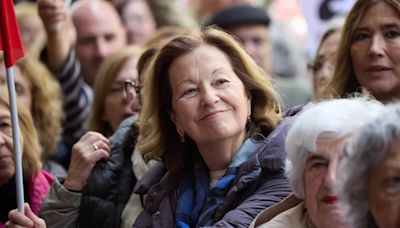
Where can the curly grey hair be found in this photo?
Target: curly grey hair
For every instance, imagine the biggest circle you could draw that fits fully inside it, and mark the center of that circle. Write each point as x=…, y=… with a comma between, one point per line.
x=371, y=145
x=339, y=117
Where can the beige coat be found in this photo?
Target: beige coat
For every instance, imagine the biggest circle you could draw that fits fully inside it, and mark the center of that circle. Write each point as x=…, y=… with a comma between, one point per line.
x=290, y=212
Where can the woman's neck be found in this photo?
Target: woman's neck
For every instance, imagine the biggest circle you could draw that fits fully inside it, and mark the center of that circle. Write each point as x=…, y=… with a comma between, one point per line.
x=219, y=154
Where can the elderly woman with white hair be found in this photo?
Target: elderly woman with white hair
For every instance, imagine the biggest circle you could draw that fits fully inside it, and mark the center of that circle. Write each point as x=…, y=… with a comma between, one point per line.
x=314, y=145
x=368, y=175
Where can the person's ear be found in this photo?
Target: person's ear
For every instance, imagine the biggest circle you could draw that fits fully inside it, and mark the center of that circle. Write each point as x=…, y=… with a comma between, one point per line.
x=175, y=120
x=249, y=102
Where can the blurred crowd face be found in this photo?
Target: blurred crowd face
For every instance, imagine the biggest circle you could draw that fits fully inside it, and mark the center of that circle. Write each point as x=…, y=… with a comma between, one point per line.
x=23, y=86
x=320, y=178
x=100, y=33
x=7, y=163
x=209, y=101
x=30, y=28
x=375, y=51
x=117, y=105
x=255, y=39
x=384, y=189
x=324, y=64
x=139, y=21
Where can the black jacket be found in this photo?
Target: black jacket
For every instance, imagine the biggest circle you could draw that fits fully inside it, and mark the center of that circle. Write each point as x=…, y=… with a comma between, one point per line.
x=111, y=182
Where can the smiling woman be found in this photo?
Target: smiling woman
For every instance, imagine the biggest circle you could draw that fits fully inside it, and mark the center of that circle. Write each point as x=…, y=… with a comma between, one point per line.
x=212, y=117
x=209, y=103
x=368, y=54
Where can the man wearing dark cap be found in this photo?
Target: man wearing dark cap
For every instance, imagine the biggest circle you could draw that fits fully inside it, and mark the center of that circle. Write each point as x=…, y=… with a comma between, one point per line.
x=250, y=25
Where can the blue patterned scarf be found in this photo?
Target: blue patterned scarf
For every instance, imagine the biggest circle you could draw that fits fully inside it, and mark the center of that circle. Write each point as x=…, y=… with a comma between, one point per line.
x=196, y=203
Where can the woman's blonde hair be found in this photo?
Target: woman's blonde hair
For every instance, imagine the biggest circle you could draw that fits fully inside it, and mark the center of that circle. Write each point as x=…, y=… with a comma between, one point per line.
x=31, y=150
x=344, y=80
x=46, y=107
x=161, y=141
x=108, y=71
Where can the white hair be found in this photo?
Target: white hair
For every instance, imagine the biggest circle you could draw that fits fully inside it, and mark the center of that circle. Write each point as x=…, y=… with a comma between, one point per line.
x=370, y=147
x=340, y=117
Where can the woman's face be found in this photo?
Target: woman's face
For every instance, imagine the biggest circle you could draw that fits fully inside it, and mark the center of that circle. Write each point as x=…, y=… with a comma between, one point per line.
x=139, y=21
x=117, y=107
x=7, y=164
x=320, y=178
x=23, y=87
x=209, y=102
x=384, y=189
x=375, y=51
x=324, y=61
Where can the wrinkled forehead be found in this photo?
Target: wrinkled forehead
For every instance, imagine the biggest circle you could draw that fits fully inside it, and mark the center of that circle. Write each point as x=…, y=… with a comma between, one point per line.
x=330, y=144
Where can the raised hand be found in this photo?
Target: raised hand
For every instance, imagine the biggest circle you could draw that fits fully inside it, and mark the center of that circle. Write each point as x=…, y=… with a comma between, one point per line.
x=53, y=14
x=60, y=32
x=90, y=148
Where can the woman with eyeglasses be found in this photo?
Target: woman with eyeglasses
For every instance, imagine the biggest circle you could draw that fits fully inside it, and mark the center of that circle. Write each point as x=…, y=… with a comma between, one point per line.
x=98, y=181
x=111, y=103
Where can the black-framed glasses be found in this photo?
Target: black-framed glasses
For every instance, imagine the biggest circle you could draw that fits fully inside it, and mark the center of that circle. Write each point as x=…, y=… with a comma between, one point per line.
x=132, y=89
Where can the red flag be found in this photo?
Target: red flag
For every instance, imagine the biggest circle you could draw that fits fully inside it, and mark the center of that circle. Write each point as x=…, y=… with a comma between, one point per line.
x=10, y=39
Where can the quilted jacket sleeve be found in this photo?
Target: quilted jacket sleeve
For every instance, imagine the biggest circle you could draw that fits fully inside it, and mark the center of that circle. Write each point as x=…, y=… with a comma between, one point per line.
x=272, y=184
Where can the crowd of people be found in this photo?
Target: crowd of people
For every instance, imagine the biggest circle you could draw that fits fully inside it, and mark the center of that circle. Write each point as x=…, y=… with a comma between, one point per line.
x=136, y=113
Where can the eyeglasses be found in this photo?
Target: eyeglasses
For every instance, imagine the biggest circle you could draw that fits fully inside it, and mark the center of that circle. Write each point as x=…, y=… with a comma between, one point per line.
x=132, y=90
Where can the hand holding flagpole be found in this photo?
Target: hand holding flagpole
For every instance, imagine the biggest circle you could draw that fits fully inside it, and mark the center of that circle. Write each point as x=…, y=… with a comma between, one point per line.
x=11, y=44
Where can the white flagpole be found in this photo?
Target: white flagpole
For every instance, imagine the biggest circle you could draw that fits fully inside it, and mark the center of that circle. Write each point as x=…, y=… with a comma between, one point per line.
x=17, y=149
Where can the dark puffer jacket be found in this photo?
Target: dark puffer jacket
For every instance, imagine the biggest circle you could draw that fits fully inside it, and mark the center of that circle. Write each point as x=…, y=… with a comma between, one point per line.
x=111, y=183
x=260, y=183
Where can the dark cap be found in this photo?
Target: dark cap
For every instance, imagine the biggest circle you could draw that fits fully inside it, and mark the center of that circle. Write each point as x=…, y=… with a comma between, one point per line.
x=239, y=15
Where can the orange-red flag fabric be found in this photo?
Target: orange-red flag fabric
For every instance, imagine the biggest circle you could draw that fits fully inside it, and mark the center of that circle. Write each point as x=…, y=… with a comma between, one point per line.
x=10, y=38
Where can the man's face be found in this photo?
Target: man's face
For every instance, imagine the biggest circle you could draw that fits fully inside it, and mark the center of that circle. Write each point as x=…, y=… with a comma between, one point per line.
x=99, y=34
x=256, y=41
